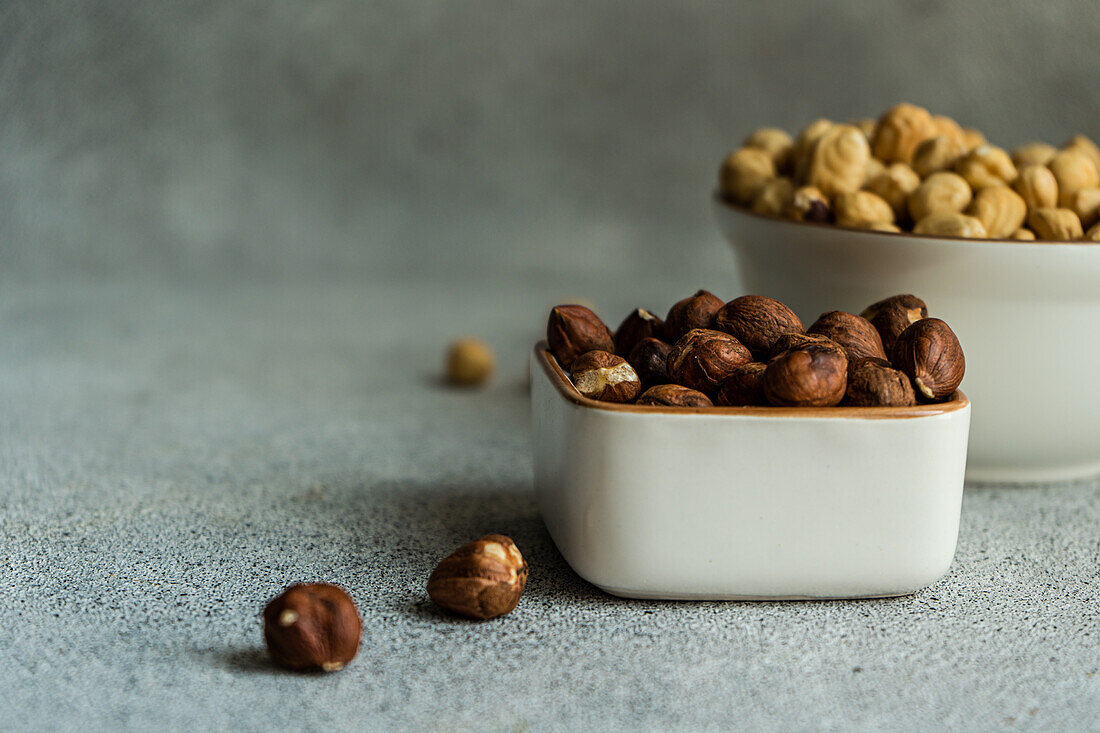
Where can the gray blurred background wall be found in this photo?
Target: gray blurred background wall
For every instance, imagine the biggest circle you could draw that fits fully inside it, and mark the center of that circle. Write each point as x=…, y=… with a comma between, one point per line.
x=484, y=139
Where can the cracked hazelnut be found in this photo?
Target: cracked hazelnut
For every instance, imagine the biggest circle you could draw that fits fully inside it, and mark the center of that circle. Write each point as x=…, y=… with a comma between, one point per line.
x=703, y=359
x=838, y=160
x=601, y=375
x=899, y=131
x=809, y=204
x=1055, y=224
x=757, y=321
x=744, y=387
x=855, y=334
x=986, y=165
x=874, y=383
x=312, y=626
x=573, y=330
x=775, y=142
x=1033, y=154
x=937, y=154
x=862, y=209
x=640, y=324
x=1074, y=170
x=649, y=357
x=774, y=197
x=894, y=185
x=930, y=354
x=674, y=395
x=940, y=192
x=469, y=362
x=1037, y=186
x=1000, y=210
x=744, y=173
x=811, y=375
x=890, y=316
x=950, y=224
x=482, y=579
x=694, y=312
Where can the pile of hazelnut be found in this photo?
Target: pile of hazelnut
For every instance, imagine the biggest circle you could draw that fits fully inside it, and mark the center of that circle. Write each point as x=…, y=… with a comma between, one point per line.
x=914, y=171
x=754, y=351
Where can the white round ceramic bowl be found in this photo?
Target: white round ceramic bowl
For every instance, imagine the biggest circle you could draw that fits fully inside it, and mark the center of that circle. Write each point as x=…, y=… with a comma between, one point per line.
x=1027, y=315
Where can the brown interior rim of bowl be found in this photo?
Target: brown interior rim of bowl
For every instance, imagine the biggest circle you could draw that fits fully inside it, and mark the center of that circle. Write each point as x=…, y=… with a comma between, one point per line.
x=565, y=387
x=971, y=240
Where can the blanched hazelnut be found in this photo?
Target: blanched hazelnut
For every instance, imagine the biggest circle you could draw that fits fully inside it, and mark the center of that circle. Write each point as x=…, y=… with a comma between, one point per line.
x=573, y=330
x=774, y=197
x=950, y=224
x=855, y=334
x=640, y=324
x=673, y=395
x=939, y=193
x=890, y=316
x=1024, y=234
x=973, y=138
x=757, y=321
x=874, y=383
x=744, y=387
x=838, y=160
x=812, y=375
x=601, y=375
x=873, y=168
x=1093, y=233
x=775, y=142
x=899, y=131
x=1085, y=203
x=862, y=209
x=1038, y=187
x=1033, y=154
x=803, y=146
x=312, y=626
x=469, y=362
x=986, y=165
x=1074, y=170
x=930, y=354
x=1055, y=224
x=649, y=357
x=810, y=204
x=1000, y=210
x=944, y=126
x=744, y=172
x=482, y=579
x=1083, y=144
x=696, y=311
x=884, y=227
x=703, y=359
x=936, y=154
x=866, y=125
x=894, y=185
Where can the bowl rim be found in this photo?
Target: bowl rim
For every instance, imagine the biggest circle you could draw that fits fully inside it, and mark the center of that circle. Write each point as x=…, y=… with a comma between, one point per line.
x=984, y=241
x=560, y=380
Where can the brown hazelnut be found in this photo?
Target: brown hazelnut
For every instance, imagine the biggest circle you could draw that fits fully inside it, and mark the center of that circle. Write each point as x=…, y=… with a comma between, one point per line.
x=601, y=375
x=811, y=375
x=694, y=312
x=703, y=359
x=893, y=315
x=744, y=387
x=930, y=354
x=790, y=341
x=757, y=321
x=312, y=626
x=674, y=395
x=855, y=334
x=573, y=330
x=809, y=204
x=874, y=383
x=649, y=357
x=482, y=579
x=640, y=324
x=469, y=362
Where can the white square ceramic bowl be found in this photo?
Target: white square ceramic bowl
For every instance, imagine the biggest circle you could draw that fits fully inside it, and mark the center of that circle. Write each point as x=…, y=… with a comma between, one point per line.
x=1025, y=312
x=747, y=503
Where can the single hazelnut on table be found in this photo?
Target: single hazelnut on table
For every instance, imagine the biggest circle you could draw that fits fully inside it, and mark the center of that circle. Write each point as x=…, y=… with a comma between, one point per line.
x=939, y=193
x=649, y=357
x=674, y=395
x=862, y=209
x=890, y=316
x=930, y=354
x=744, y=387
x=482, y=579
x=757, y=321
x=469, y=362
x=1033, y=154
x=986, y=165
x=703, y=359
x=810, y=204
x=874, y=383
x=812, y=375
x=775, y=142
x=774, y=198
x=573, y=330
x=789, y=341
x=838, y=160
x=640, y=324
x=1055, y=224
x=899, y=131
x=855, y=334
x=1037, y=186
x=312, y=626
x=744, y=172
x=601, y=375
x=695, y=312
x=1000, y=210
x=950, y=224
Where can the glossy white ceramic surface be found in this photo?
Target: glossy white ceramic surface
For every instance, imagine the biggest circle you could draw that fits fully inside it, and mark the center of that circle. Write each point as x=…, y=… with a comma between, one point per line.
x=1027, y=314
x=748, y=503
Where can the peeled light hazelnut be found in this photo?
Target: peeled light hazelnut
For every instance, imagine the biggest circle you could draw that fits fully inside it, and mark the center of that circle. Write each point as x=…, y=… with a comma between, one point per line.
x=809, y=204
x=312, y=626
x=890, y=316
x=695, y=312
x=1055, y=224
x=757, y=321
x=862, y=209
x=744, y=172
x=673, y=395
x=482, y=579
x=744, y=387
x=950, y=224
x=601, y=375
x=873, y=168
x=573, y=330
x=775, y=142
x=973, y=138
x=813, y=375
x=1085, y=203
x=838, y=160
x=894, y=185
x=469, y=362
x=1093, y=233
x=944, y=126
x=640, y=324
x=1083, y=144
x=899, y=131
x=703, y=359
x=937, y=154
x=986, y=165
x=1024, y=234
x=774, y=198
x=874, y=383
x=939, y=193
x=855, y=334
x=1037, y=186
x=1074, y=170
x=649, y=357
x=930, y=354
x=1000, y=210
x=1033, y=154
x=803, y=147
